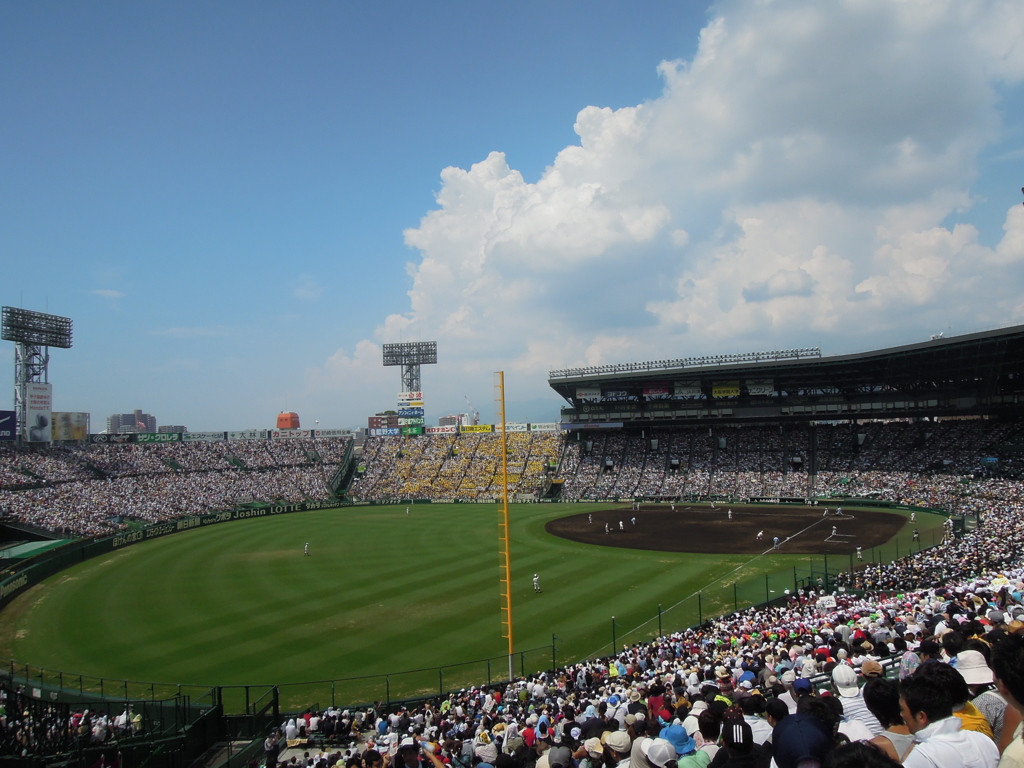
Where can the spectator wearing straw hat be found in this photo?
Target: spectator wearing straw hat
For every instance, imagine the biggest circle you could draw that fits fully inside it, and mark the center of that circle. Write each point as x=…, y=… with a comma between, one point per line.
x=590, y=754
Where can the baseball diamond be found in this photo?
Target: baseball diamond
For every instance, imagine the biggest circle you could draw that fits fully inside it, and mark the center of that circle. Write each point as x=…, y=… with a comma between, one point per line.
x=705, y=529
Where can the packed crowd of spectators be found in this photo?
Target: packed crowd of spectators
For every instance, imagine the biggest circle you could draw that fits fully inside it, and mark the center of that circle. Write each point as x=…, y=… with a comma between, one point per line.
x=800, y=682
x=803, y=678
x=96, y=490
x=456, y=466
x=30, y=726
x=91, y=490
x=812, y=677
x=883, y=459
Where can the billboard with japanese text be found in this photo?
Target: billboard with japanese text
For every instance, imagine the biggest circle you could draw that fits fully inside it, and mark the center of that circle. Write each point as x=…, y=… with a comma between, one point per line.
x=39, y=412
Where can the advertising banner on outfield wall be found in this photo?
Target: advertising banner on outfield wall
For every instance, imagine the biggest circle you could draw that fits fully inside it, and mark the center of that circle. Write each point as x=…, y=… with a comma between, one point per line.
x=8, y=425
x=69, y=425
x=411, y=430
x=551, y=426
x=39, y=411
x=448, y=430
x=385, y=432
x=725, y=389
x=290, y=434
x=476, y=428
x=511, y=426
x=201, y=521
x=249, y=434
x=332, y=433
x=105, y=438
x=204, y=437
x=158, y=437
x=760, y=387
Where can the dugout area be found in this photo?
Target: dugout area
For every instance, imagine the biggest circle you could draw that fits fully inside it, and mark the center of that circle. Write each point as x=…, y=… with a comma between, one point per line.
x=700, y=528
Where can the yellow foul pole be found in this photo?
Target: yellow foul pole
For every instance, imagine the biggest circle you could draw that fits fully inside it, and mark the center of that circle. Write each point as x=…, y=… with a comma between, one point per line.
x=504, y=538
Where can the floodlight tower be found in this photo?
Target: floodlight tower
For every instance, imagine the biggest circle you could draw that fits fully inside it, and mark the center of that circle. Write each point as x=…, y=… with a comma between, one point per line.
x=33, y=333
x=411, y=355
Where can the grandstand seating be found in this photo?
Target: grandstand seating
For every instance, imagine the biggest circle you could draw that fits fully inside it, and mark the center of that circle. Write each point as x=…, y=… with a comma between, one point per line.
x=95, y=489
x=974, y=586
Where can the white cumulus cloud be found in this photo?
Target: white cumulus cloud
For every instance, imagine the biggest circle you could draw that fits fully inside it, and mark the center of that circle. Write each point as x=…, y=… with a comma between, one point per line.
x=790, y=186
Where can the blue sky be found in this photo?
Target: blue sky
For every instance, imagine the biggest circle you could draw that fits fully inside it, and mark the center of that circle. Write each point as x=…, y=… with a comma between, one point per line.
x=238, y=203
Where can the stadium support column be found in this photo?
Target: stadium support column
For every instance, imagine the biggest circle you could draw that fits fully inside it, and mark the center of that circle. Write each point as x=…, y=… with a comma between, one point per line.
x=760, y=461
x=33, y=333
x=31, y=363
x=505, y=538
x=812, y=461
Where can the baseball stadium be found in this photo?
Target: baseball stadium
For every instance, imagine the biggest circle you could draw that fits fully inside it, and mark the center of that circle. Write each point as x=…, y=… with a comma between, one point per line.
x=694, y=530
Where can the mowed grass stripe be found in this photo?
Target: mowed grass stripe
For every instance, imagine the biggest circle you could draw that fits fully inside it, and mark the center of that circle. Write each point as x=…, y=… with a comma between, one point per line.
x=291, y=611
x=238, y=603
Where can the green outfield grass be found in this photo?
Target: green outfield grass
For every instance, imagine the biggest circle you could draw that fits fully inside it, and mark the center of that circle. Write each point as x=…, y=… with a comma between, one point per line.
x=383, y=592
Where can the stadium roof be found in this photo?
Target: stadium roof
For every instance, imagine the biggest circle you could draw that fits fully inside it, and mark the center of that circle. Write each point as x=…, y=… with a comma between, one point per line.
x=974, y=374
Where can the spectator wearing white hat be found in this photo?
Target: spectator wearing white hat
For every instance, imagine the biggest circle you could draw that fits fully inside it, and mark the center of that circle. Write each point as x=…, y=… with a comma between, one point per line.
x=659, y=753
x=618, y=744
x=787, y=680
x=845, y=681
x=975, y=671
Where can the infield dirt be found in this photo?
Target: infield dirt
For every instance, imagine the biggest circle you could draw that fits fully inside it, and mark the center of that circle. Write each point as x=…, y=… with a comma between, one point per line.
x=701, y=528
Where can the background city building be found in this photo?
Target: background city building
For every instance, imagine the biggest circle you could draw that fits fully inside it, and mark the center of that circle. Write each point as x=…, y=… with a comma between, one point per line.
x=129, y=423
